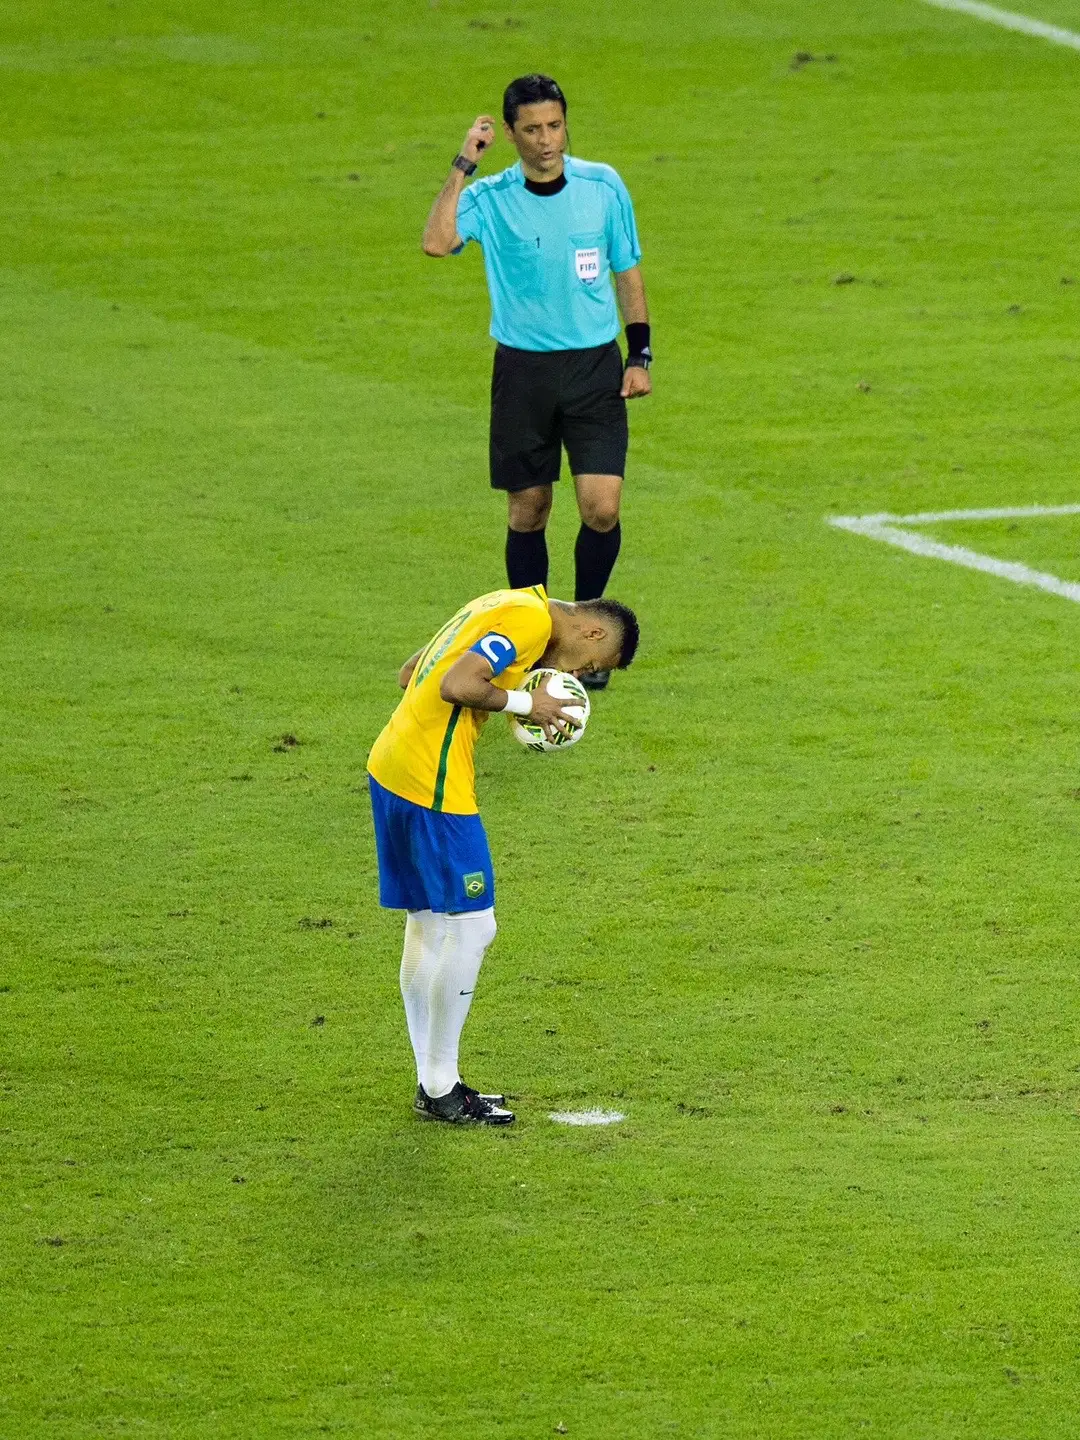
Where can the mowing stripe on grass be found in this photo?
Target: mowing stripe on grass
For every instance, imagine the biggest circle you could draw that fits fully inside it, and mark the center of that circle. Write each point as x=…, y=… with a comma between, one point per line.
x=884, y=527
x=1009, y=20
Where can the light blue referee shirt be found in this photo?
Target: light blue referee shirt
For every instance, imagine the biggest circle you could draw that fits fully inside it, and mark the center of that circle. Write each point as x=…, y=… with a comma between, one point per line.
x=549, y=258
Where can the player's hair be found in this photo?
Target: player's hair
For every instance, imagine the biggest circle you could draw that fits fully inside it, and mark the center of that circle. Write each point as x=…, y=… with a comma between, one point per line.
x=622, y=616
x=529, y=90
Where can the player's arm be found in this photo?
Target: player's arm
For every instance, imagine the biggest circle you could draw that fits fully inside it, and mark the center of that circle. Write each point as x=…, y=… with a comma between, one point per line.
x=468, y=683
x=440, y=232
x=630, y=292
x=405, y=674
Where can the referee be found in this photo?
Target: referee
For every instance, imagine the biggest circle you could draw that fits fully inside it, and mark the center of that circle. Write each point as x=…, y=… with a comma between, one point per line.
x=554, y=230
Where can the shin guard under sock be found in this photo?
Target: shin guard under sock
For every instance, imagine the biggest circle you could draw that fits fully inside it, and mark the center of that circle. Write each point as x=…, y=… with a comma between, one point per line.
x=450, y=992
x=526, y=558
x=594, y=559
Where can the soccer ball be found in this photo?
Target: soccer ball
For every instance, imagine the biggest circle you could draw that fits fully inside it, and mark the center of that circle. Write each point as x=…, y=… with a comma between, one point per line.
x=563, y=687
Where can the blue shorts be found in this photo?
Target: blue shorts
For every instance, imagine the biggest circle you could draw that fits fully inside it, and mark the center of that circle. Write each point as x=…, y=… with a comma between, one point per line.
x=429, y=860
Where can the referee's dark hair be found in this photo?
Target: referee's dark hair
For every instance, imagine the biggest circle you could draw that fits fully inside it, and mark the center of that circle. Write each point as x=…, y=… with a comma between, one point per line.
x=622, y=616
x=529, y=90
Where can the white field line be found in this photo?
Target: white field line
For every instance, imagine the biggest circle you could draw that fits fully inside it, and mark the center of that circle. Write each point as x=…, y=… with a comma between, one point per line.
x=1004, y=512
x=877, y=527
x=1009, y=20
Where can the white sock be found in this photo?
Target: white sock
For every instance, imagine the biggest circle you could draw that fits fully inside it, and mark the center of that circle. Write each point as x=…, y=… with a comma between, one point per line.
x=423, y=943
x=450, y=990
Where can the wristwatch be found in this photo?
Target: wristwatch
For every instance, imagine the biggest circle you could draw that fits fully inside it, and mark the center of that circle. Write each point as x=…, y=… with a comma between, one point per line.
x=641, y=361
x=464, y=164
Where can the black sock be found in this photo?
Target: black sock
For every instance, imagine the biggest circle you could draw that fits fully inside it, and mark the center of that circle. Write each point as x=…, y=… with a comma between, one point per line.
x=594, y=559
x=526, y=558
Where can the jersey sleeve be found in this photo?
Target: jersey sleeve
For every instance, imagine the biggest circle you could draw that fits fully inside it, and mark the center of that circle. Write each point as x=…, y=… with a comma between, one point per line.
x=470, y=219
x=497, y=649
x=624, y=249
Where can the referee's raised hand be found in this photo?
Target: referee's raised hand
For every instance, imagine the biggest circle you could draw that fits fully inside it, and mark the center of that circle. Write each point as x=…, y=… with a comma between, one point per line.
x=440, y=232
x=480, y=137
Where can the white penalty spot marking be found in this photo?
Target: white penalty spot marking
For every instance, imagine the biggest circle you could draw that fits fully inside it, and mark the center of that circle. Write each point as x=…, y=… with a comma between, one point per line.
x=586, y=1117
x=1010, y=20
x=887, y=528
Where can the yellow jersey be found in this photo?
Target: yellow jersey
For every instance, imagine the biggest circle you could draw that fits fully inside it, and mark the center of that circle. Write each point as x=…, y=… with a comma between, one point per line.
x=425, y=753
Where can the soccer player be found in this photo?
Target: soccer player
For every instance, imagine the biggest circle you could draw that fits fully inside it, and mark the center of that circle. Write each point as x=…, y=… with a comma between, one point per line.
x=554, y=231
x=433, y=853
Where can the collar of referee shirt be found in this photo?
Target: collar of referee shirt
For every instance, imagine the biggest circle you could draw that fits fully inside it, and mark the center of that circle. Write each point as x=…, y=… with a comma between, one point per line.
x=546, y=187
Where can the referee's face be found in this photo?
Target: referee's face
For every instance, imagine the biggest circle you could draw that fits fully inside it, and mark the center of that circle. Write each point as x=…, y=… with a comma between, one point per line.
x=539, y=136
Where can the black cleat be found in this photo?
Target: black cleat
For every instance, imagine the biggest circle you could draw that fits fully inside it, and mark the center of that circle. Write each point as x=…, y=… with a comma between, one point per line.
x=595, y=679
x=420, y=1103
x=463, y=1106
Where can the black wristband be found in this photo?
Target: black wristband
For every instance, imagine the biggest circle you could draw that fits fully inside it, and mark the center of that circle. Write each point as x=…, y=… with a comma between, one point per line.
x=464, y=164
x=638, y=336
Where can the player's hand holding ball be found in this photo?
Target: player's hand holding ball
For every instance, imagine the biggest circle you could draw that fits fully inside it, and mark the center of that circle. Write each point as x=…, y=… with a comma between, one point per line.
x=481, y=135
x=552, y=724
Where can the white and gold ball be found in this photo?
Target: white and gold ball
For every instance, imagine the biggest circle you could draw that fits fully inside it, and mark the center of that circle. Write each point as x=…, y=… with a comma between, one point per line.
x=563, y=687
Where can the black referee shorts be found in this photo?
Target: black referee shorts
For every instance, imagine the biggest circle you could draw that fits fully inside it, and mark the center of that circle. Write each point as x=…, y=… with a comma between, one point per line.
x=542, y=400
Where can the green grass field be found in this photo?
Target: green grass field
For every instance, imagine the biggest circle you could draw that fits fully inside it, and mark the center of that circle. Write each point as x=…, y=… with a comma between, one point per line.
x=804, y=903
